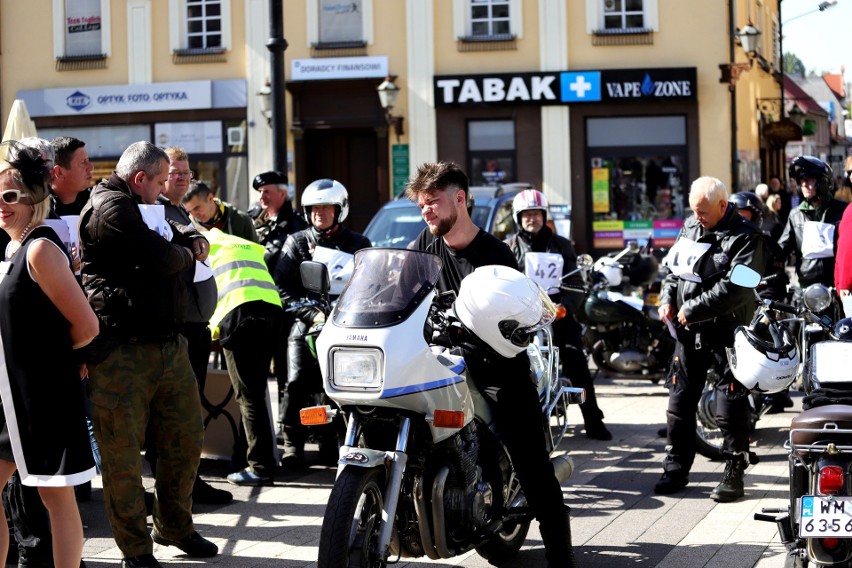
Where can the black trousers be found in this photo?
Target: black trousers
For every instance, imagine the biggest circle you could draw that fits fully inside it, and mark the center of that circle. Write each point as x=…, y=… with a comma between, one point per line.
x=248, y=367
x=507, y=386
x=304, y=384
x=686, y=381
x=567, y=335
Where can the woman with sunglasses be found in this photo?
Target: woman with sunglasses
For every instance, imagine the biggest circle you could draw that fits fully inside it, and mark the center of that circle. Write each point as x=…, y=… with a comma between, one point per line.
x=44, y=318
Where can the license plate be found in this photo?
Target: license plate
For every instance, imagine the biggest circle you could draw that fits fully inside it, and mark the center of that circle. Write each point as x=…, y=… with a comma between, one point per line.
x=825, y=516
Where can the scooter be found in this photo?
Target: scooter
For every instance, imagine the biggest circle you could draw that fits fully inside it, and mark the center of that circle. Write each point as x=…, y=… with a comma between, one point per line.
x=422, y=470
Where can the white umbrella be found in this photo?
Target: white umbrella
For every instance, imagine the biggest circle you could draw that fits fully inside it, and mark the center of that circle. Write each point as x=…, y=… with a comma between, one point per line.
x=18, y=124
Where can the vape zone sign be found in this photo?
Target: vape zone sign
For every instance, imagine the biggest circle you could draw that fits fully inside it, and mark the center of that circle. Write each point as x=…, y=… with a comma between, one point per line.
x=567, y=87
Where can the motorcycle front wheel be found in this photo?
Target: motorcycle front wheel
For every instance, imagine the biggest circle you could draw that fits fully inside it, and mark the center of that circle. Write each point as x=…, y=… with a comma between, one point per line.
x=352, y=521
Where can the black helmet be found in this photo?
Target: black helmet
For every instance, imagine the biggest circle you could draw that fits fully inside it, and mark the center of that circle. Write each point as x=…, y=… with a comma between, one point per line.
x=750, y=201
x=809, y=166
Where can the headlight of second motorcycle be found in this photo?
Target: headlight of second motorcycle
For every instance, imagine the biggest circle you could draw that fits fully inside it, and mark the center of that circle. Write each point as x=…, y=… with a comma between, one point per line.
x=356, y=369
x=816, y=297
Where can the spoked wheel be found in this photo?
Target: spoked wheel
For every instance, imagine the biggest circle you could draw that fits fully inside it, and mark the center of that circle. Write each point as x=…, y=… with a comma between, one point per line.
x=350, y=530
x=708, y=436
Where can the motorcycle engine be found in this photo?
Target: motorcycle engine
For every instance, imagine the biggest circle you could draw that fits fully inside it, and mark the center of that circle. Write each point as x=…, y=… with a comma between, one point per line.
x=625, y=349
x=467, y=496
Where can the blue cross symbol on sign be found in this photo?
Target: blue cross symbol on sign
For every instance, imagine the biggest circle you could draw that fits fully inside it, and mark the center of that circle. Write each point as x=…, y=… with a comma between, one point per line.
x=582, y=86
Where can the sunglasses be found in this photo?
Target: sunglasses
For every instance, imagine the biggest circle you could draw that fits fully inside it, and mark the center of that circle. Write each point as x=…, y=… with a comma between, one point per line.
x=12, y=196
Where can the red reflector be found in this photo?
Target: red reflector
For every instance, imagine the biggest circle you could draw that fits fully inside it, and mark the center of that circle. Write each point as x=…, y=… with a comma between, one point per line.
x=830, y=544
x=830, y=480
x=313, y=415
x=448, y=419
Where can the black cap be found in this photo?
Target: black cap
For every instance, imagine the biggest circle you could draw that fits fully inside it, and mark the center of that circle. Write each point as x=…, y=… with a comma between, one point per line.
x=269, y=177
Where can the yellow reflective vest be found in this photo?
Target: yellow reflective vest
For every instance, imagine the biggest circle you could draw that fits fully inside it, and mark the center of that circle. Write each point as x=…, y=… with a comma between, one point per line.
x=240, y=272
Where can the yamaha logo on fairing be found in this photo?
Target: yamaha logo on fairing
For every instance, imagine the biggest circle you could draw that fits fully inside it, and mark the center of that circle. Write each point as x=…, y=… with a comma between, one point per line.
x=78, y=101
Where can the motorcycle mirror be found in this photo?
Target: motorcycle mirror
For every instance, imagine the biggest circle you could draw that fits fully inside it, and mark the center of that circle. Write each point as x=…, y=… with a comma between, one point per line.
x=585, y=261
x=315, y=276
x=744, y=276
x=633, y=246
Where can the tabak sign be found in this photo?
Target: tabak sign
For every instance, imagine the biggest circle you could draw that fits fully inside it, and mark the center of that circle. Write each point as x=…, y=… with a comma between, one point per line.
x=567, y=87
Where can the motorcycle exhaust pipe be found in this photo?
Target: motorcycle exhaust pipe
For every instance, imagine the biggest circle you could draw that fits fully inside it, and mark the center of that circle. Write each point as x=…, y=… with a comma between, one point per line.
x=563, y=467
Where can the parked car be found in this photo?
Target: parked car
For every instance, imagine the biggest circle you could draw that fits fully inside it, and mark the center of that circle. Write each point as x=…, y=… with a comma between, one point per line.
x=398, y=222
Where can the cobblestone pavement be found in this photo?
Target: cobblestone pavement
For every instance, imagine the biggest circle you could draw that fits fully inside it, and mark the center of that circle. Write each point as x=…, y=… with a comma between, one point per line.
x=618, y=521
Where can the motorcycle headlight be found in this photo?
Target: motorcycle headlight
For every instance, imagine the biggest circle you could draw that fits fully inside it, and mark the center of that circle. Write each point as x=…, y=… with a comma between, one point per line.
x=816, y=297
x=356, y=369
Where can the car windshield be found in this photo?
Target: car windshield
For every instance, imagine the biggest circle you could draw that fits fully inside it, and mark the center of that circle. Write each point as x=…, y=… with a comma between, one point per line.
x=395, y=227
x=386, y=287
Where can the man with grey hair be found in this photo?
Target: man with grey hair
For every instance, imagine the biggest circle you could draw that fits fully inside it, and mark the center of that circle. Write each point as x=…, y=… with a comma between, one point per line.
x=139, y=369
x=699, y=298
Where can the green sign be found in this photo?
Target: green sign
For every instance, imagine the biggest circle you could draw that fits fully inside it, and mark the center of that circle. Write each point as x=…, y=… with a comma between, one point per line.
x=399, y=167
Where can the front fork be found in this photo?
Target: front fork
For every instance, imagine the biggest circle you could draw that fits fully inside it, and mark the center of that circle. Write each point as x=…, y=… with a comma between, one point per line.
x=395, y=462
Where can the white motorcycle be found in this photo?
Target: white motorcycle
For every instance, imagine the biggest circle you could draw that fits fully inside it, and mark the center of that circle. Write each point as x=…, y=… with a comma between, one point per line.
x=422, y=471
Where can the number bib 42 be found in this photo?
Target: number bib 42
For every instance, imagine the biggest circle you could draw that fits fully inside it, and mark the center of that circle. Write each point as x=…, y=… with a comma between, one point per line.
x=545, y=269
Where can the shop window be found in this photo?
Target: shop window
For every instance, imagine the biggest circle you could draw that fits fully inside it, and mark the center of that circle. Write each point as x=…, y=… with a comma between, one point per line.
x=606, y=20
x=342, y=28
x=200, y=30
x=637, y=178
x=483, y=25
x=81, y=34
x=491, y=151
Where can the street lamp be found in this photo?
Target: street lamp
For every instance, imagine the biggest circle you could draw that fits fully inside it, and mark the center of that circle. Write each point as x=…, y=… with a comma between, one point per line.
x=821, y=7
x=388, y=94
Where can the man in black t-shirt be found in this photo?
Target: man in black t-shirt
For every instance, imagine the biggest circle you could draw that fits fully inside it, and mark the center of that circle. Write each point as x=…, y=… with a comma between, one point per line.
x=440, y=190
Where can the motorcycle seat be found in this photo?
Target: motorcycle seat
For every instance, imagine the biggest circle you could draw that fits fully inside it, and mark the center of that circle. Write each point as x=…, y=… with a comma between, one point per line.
x=820, y=425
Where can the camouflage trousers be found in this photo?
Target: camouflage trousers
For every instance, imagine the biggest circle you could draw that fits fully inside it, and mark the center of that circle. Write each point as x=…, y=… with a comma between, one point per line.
x=138, y=384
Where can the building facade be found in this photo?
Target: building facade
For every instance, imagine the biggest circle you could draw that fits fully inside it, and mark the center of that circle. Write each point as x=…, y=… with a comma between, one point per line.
x=611, y=107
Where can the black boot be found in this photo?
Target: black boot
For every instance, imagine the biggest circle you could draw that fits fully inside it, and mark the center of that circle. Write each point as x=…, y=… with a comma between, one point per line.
x=674, y=479
x=732, y=487
x=294, y=448
x=557, y=544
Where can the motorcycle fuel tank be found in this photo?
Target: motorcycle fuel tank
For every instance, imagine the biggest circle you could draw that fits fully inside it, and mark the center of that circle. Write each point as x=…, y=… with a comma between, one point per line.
x=611, y=307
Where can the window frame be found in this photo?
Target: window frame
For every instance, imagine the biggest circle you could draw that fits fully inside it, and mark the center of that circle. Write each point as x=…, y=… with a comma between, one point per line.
x=313, y=22
x=59, y=30
x=595, y=18
x=463, y=26
x=179, y=33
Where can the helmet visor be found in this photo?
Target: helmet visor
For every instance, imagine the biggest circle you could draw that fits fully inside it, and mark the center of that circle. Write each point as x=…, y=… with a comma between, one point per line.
x=520, y=334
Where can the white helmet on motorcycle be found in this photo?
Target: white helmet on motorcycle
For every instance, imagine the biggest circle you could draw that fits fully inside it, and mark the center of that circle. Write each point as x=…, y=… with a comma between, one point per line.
x=326, y=192
x=529, y=200
x=766, y=362
x=503, y=308
x=610, y=269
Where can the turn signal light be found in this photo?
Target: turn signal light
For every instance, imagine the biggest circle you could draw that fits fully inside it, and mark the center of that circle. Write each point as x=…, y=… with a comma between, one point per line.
x=314, y=415
x=448, y=419
x=561, y=312
x=830, y=480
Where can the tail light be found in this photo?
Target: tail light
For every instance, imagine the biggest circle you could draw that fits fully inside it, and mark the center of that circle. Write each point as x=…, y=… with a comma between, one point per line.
x=830, y=544
x=830, y=480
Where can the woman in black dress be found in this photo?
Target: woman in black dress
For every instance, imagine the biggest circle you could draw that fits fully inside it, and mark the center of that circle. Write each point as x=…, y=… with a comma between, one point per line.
x=44, y=317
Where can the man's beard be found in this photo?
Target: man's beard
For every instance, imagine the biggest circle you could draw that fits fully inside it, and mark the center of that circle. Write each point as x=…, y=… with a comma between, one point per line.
x=444, y=225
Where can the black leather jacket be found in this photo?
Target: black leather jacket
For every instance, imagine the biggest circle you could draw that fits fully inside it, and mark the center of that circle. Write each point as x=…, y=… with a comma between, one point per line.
x=273, y=233
x=130, y=273
x=811, y=270
x=300, y=247
x=546, y=241
x=715, y=299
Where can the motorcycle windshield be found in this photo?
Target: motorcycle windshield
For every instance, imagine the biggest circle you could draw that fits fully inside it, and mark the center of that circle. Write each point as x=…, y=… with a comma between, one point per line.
x=387, y=285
